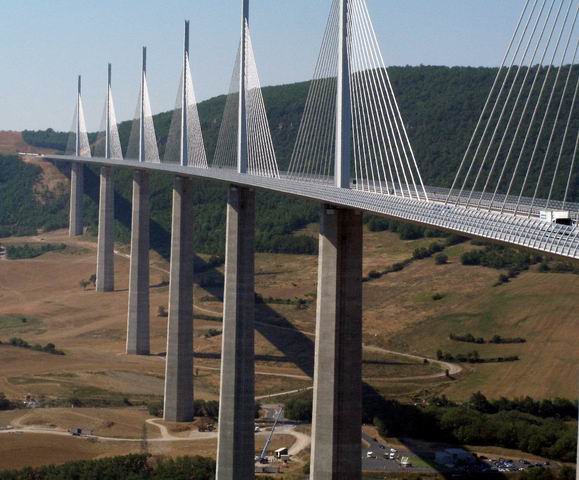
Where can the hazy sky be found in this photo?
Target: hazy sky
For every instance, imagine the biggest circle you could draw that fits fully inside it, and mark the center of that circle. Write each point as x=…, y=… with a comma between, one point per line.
x=46, y=43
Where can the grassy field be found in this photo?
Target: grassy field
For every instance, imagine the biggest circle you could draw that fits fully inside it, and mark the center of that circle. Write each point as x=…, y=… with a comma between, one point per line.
x=400, y=314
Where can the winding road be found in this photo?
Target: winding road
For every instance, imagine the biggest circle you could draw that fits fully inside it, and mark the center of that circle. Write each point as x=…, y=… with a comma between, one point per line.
x=302, y=441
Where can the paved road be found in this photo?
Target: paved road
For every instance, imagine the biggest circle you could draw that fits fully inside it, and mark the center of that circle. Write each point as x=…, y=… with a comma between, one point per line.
x=379, y=463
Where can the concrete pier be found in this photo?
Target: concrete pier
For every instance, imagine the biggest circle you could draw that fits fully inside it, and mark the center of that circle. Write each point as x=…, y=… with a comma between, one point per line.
x=236, y=446
x=105, y=274
x=179, y=361
x=337, y=414
x=75, y=226
x=138, y=317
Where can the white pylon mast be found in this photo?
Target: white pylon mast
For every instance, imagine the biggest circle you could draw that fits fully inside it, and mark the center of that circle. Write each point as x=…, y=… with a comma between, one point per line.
x=78, y=113
x=108, y=116
x=142, y=112
x=242, y=154
x=343, y=106
x=184, y=102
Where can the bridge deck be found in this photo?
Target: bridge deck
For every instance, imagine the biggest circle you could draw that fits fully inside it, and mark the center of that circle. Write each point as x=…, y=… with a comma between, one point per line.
x=521, y=231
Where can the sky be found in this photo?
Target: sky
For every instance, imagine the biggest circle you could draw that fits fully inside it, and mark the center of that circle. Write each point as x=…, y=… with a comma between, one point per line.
x=47, y=43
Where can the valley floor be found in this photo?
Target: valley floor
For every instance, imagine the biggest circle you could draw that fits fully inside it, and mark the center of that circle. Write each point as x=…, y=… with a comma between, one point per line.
x=42, y=301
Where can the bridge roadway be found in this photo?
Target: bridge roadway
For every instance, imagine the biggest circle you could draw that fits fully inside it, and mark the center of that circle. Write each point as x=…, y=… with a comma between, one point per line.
x=521, y=230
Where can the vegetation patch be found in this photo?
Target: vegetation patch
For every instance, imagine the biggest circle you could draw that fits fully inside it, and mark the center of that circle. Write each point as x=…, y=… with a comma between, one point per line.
x=135, y=467
x=418, y=254
x=9, y=322
x=48, y=348
x=473, y=357
x=299, y=303
x=213, y=332
x=496, y=339
x=5, y=404
x=28, y=250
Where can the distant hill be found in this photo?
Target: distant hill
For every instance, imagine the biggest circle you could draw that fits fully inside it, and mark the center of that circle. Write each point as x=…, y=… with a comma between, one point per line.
x=440, y=106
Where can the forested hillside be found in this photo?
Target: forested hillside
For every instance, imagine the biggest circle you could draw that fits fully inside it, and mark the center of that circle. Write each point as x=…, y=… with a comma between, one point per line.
x=440, y=106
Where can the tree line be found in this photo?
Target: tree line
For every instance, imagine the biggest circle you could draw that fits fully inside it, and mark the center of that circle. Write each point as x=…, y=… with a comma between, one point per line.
x=134, y=467
x=540, y=427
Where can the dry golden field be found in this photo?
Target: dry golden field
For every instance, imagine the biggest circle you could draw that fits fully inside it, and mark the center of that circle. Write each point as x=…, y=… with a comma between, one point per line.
x=41, y=301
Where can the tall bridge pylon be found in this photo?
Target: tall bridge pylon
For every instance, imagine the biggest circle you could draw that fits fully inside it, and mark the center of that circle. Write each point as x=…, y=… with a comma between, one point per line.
x=244, y=142
x=352, y=130
x=143, y=140
x=185, y=145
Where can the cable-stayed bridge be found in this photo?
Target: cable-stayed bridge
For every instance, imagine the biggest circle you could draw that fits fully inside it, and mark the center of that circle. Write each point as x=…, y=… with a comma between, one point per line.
x=517, y=184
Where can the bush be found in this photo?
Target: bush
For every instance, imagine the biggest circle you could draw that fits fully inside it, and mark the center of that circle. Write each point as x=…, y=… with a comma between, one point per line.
x=299, y=409
x=437, y=296
x=471, y=258
x=441, y=259
x=377, y=224
x=5, y=404
x=455, y=240
x=203, y=408
x=155, y=409
x=213, y=332
x=502, y=279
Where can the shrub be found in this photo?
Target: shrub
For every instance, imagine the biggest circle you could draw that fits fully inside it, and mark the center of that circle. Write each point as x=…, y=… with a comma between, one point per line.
x=441, y=259
x=373, y=274
x=471, y=258
x=5, y=404
x=544, y=267
x=155, y=409
x=377, y=224
x=437, y=296
x=455, y=240
x=299, y=409
x=502, y=279
x=212, y=332
x=421, y=253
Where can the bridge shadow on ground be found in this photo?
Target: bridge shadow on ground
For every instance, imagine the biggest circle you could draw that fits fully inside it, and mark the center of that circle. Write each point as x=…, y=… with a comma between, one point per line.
x=294, y=345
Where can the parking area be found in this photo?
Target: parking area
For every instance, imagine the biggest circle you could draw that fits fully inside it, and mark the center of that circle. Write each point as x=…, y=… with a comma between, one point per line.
x=379, y=457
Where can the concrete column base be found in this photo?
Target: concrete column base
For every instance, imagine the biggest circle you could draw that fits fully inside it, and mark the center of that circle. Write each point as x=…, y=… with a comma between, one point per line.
x=337, y=414
x=75, y=225
x=138, y=318
x=105, y=273
x=236, y=445
x=178, y=406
